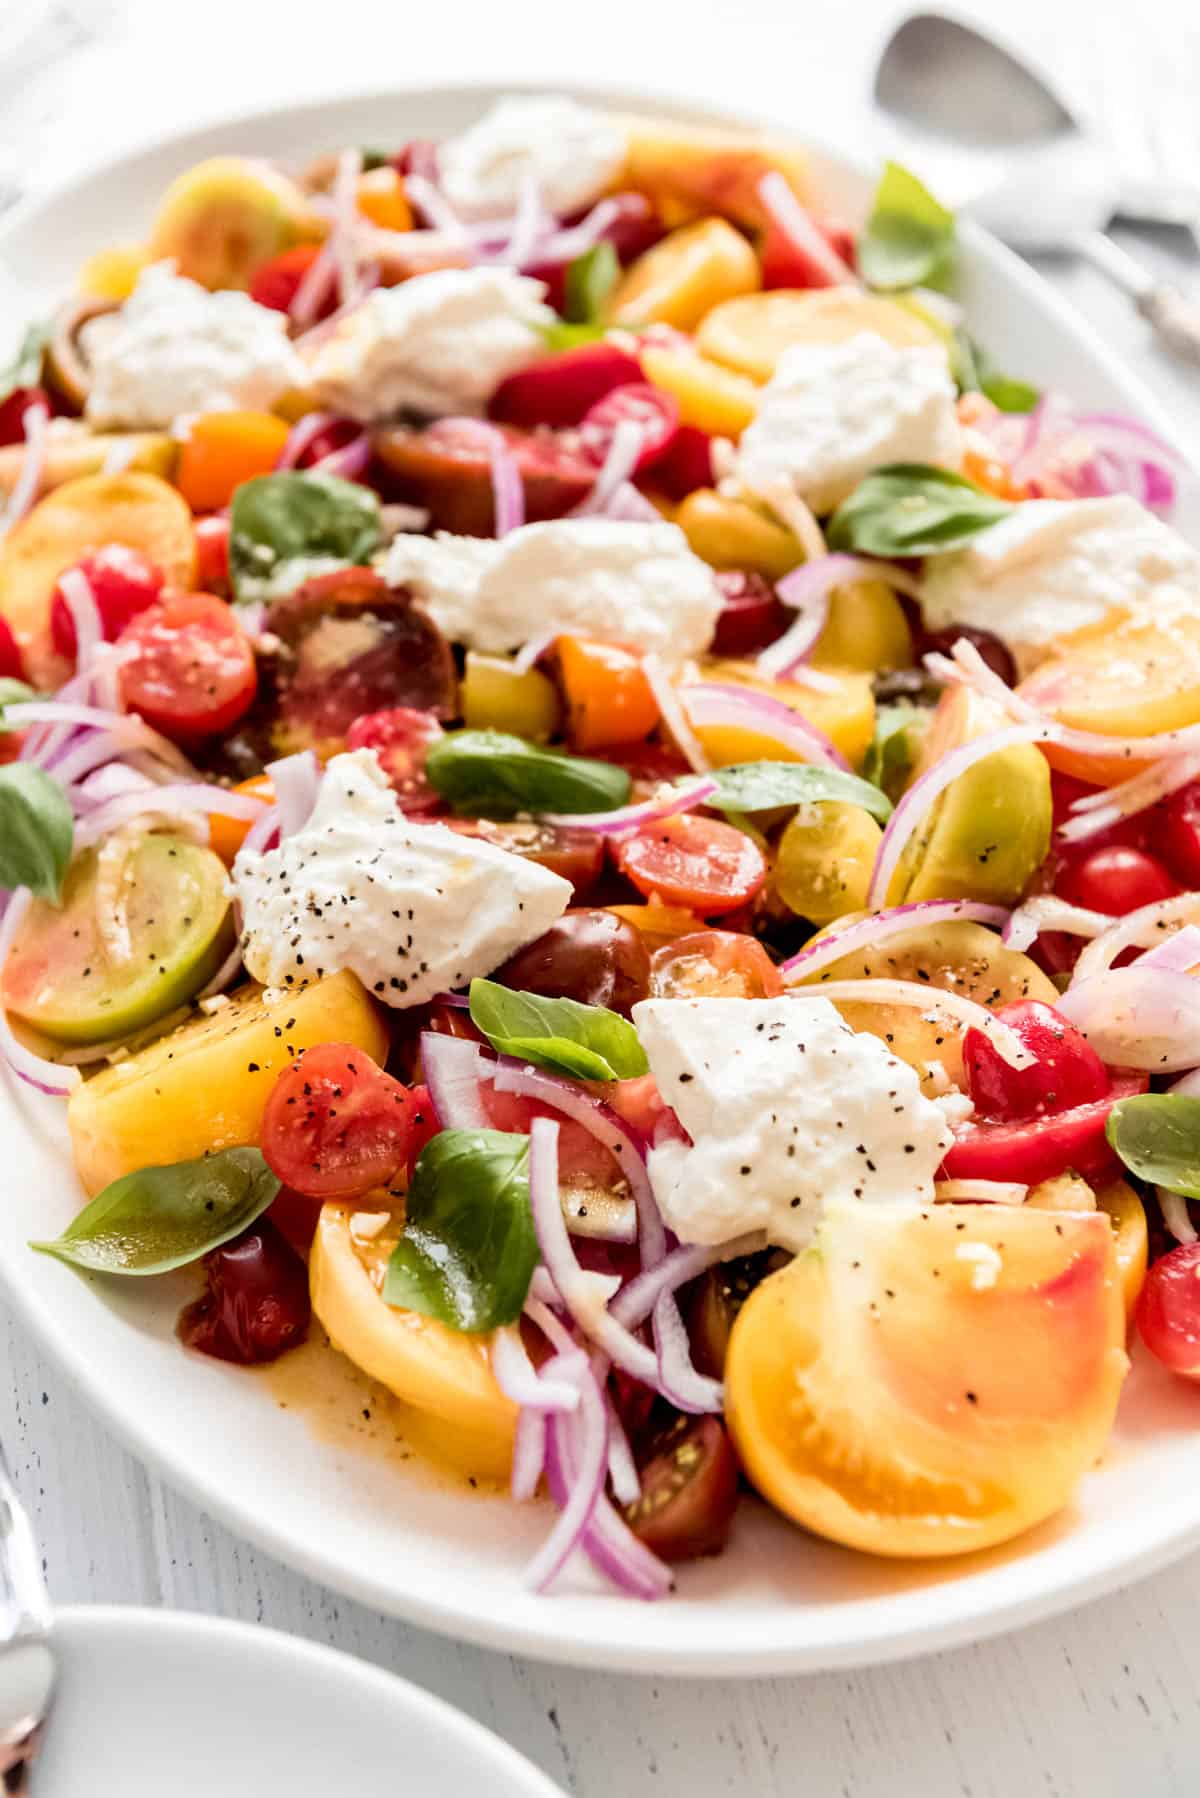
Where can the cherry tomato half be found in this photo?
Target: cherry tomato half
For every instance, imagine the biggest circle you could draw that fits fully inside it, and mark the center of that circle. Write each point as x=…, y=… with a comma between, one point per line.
x=257, y=1304
x=1168, y=1311
x=1030, y=1150
x=335, y=1124
x=193, y=673
x=11, y=665
x=1068, y=1071
x=212, y=553
x=689, y=1492
x=13, y=410
x=685, y=464
x=695, y=862
x=752, y=617
x=560, y=390
x=124, y=583
x=785, y=264
x=277, y=282
x=1179, y=836
x=654, y=413
x=401, y=737
x=721, y=964
x=1117, y=880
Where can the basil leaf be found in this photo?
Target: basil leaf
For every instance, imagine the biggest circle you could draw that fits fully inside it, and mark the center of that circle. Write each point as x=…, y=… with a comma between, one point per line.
x=975, y=373
x=490, y=774
x=25, y=369
x=36, y=831
x=12, y=692
x=899, y=729
x=912, y=509
x=1157, y=1136
x=561, y=336
x=284, y=528
x=589, y=280
x=160, y=1218
x=374, y=159
x=908, y=241
x=760, y=786
x=585, y=1042
x=469, y=1247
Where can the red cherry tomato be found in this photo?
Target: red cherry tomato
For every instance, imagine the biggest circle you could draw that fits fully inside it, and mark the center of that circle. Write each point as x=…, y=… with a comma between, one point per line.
x=753, y=615
x=424, y=1125
x=1168, y=1310
x=785, y=264
x=257, y=1302
x=401, y=737
x=12, y=666
x=335, y=1124
x=193, y=674
x=655, y=413
x=723, y=964
x=696, y=862
x=689, y=1492
x=212, y=553
x=1041, y=1148
x=638, y=1101
x=560, y=390
x=685, y=464
x=124, y=583
x=578, y=855
x=1117, y=880
x=1068, y=1071
x=1178, y=836
x=277, y=282
x=14, y=408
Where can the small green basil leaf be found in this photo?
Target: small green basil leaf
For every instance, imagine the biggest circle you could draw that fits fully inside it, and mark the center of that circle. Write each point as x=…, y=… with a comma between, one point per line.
x=760, y=786
x=559, y=335
x=25, y=369
x=374, y=159
x=912, y=509
x=36, y=831
x=285, y=528
x=161, y=1218
x=13, y=692
x=892, y=756
x=1157, y=1136
x=589, y=281
x=469, y=1247
x=490, y=774
x=908, y=241
x=975, y=373
x=585, y=1042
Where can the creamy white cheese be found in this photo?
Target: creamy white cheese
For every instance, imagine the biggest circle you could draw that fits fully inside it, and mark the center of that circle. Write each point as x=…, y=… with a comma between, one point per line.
x=832, y=412
x=438, y=343
x=412, y=909
x=611, y=579
x=1054, y=567
x=174, y=348
x=788, y=1110
x=568, y=152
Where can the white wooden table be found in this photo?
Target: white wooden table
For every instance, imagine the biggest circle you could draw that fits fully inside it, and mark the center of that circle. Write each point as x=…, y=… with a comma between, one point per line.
x=1104, y=1703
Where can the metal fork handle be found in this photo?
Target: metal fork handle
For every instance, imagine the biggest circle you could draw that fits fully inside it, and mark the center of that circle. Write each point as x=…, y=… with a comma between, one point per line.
x=1171, y=313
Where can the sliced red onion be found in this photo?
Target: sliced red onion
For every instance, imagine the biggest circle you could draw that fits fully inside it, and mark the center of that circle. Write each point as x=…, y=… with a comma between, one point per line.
x=532, y=652
x=435, y=206
x=350, y=462
x=1141, y=928
x=520, y=1381
x=712, y=704
x=868, y=933
x=667, y=699
x=529, y=1455
x=301, y=437
x=539, y=1310
x=262, y=835
x=581, y=1470
x=77, y=591
x=1047, y=912
x=314, y=289
x=931, y=1000
x=624, y=453
x=1138, y=1017
x=597, y=1118
x=35, y=424
x=808, y=589
x=987, y=1192
x=1095, y=812
x=628, y=505
x=169, y=801
x=637, y=1298
x=452, y=1066
x=530, y=224
x=622, y=1468
x=575, y=239
x=665, y=804
x=295, y=779
x=345, y=221
x=1175, y=1215
x=796, y=517
x=508, y=489
x=794, y=223
x=1176, y=954
x=921, y=797
x=679, y=1380
x=35, y=1070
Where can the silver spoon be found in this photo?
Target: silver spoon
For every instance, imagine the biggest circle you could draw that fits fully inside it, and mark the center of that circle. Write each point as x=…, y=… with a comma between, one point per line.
x=993, y=136
x=27, y=1660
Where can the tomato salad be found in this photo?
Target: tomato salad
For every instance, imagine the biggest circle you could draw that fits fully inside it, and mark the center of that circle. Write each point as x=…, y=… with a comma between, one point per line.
x=597, y=806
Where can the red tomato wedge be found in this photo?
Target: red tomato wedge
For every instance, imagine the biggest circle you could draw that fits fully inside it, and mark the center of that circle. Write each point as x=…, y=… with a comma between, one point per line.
x=1041, y=1148
x=1168, y=1311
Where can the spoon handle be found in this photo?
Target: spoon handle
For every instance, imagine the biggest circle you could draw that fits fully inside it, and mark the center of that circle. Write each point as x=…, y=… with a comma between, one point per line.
x=1171, y=313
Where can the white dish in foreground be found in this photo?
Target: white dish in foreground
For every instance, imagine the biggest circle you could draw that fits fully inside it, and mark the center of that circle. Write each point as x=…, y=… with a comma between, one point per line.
x=327, y=1500
x=152, y=1702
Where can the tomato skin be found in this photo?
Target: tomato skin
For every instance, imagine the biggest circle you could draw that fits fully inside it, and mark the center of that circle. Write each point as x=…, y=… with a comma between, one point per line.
x=685, y=464
x=277, y=282
x=1179, y=834
x=12, y=667
x=124, y=583
x=336, y=435
x=996, y=654
x=784, y=264
x=424, y=1125
x=689, y=1492
x=212, y=554
x=336, y=1125
x=696, y=862
x=576, y=854
x=1029, y=1150
x=655, y=412
x=401, y=737
x=1068, y=1072
x=13, y=409
x=725, y=964
x=257, y=1304
x=1168, y=1310
x=560, y=390
x=194, y=672
x=591, y=956
x=753, y=615
x=1117, y=879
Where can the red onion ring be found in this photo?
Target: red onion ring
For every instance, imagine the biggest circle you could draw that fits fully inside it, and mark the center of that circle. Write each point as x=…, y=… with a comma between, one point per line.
x=1048, y=912
x=789, y=217
x=964, y=1012
x=35, y=424
x=718, y=703
x=632, y=817
x=809, y=589
x=1175, y=954
x=1142, y=928
x=670, y=707
x=1095, y=812
x=1138, y=1017
x=295, y=779
x=451, y=1066
x=305, y=433
x=520, y=1381
x=869, y=932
